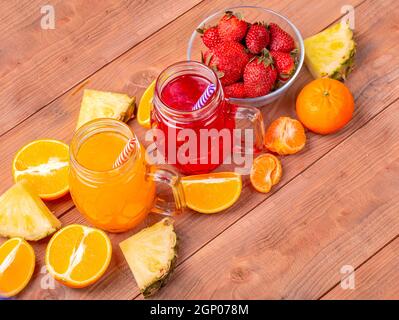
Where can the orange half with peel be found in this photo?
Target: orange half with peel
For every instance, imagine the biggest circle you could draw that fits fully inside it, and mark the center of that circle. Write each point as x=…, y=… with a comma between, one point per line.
x=213, y=192
x=266, y=172
x=78, y=256
x=44, y=164
x=17, y=263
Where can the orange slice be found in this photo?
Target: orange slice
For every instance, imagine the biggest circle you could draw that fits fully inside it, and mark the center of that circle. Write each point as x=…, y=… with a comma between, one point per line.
x=45, y=165
x=145, y=106
x=285, y=136
x=17, y=262
x=213, y=192
x=266, y=171
x=78, y=256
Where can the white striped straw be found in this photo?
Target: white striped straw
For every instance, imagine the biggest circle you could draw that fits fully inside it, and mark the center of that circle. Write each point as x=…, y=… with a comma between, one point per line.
x=124, y=155
x=210, y=89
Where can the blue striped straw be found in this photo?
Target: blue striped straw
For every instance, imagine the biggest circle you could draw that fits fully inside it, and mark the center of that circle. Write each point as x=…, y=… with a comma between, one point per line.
x=210, y=89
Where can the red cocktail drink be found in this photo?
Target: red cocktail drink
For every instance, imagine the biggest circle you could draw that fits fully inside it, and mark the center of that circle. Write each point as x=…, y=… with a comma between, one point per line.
x=195, y=141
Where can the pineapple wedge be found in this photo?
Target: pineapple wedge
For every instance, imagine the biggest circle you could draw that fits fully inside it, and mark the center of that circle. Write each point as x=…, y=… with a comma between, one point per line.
x=101, y=104
x=151, y=255
x=331, y=52
x=23, y=214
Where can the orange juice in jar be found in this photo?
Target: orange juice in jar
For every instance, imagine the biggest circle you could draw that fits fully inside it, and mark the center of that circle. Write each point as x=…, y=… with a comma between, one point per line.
x=116, y=199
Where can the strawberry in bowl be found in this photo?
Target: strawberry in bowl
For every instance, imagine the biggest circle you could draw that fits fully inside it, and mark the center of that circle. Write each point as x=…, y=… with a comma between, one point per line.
x=256, y=53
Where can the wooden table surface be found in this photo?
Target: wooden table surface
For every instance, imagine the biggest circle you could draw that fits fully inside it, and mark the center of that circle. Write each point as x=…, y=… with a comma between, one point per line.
x=336, y=205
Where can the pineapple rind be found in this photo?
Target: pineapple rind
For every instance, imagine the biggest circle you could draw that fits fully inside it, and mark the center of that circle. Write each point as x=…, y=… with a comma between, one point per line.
x=101, y=104
x=151, y=255
x=324, y=61
x=161, y=282
x=23, y=214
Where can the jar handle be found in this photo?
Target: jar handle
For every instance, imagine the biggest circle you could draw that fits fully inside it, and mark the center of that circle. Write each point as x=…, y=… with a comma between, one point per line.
x=172, y=179
x=255, y=116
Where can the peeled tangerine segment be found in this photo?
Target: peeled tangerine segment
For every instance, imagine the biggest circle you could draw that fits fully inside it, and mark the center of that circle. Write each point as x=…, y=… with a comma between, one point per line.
x=78, y=256
x=330, y=53
x=213, y=192
x=266, y=171
x=23, y=214
x=17, y=262
x=100, y=104
x=151, y=255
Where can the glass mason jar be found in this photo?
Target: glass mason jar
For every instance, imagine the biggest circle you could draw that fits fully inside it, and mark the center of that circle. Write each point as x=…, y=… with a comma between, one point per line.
x=198, y=141
x=120, y=198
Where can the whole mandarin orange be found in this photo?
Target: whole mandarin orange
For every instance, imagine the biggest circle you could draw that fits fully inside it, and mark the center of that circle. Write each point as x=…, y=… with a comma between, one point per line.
x=325, y=106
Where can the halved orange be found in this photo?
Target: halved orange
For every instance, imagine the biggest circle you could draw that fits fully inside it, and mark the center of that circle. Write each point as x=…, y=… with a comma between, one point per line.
x=266, y=171
x=78, y=256
x=45, y=165
x=213, y=192
x=17, y=262
x=145, y=106
x=285, y=136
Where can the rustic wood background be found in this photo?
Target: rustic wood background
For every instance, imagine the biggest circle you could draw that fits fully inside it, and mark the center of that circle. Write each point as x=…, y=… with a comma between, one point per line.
x=336, y=205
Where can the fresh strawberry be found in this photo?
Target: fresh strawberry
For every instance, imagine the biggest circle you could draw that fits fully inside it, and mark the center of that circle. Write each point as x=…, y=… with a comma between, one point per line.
x=235, y=90
x=251, y=55
x=257, y=38
x=210, y=37
x=228, y=59
x=231, y=27
x=284, y=63
x=259, y=77
x=280, y=40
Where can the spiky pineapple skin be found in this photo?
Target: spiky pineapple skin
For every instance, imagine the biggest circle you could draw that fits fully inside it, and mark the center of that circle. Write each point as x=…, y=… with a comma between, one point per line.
x=133, y=256
x=161, y=282
x=346, y=62
x=346, y=68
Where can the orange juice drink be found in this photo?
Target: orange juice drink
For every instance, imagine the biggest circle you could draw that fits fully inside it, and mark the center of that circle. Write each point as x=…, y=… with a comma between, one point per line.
x=117, y=199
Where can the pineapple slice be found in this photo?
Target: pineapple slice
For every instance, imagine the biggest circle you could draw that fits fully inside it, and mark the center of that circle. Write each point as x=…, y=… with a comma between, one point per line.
x=151, y=255
x=23, y=214
x=100, y=104
x=331, y=52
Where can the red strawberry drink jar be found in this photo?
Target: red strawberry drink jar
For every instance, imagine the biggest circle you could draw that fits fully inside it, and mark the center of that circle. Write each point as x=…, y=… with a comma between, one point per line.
x=196, y=140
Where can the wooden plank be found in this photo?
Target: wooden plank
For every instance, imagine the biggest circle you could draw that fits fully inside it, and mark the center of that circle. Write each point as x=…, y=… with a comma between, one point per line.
x=191, y=226
x=378, y=278
x=339, y=212
x=37, y=65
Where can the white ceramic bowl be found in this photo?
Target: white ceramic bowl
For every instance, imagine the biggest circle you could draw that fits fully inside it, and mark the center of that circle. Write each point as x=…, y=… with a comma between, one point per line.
x=252, y=14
